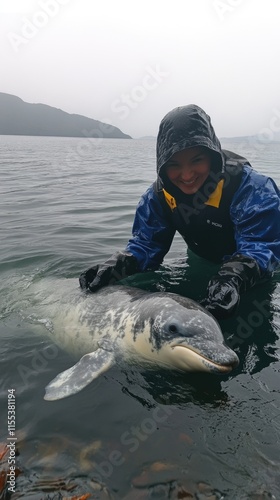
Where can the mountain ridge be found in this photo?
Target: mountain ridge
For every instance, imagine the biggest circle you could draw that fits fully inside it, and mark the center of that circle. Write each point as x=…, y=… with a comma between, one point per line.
x=18, y=117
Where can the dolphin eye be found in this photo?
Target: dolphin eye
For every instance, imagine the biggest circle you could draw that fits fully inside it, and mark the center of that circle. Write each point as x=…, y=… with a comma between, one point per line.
x=173, y=328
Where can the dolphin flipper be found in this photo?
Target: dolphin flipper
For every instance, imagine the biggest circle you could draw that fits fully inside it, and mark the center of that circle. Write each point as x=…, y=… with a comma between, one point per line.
x=80, y=375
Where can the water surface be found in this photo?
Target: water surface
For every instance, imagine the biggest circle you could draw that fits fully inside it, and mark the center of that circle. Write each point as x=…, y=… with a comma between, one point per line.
x=132, y=434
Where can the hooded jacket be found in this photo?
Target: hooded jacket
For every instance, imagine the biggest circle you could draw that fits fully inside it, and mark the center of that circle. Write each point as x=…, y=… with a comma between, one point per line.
x=235, y=211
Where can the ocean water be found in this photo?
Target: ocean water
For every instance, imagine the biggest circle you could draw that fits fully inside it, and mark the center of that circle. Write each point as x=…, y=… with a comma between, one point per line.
x=67, y=204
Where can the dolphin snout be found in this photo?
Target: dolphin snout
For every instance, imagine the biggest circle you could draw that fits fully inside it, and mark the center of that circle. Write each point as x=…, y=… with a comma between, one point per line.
x=225, y=365
x=224, y=359
x=191, y=359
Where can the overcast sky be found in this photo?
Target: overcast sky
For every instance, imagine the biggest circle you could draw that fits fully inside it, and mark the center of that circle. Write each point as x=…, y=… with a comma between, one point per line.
x=129, y=62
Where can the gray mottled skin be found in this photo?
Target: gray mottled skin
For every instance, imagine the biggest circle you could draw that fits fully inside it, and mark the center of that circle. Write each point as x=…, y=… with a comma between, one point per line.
x=119, y=322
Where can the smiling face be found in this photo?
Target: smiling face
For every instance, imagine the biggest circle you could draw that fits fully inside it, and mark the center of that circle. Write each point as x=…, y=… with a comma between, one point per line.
x=188, y=169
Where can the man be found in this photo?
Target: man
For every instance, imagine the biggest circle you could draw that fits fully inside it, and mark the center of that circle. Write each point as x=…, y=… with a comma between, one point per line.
x=225, y=211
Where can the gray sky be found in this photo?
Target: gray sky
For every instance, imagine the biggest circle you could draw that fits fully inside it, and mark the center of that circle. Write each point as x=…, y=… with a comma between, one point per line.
x=129, y=62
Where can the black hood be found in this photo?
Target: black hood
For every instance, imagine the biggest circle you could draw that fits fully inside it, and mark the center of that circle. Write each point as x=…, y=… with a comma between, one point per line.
x=186, y=127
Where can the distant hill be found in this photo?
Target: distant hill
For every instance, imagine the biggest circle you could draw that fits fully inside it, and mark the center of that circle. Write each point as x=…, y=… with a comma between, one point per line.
x=251, y=139
x=147, y=138
x=21, y=118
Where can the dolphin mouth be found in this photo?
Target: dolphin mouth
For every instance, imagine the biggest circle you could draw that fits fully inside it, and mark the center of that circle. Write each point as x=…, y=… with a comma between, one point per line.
x=202, y=363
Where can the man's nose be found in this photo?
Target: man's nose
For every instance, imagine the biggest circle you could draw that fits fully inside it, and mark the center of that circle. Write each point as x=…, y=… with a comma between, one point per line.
x=186, y=172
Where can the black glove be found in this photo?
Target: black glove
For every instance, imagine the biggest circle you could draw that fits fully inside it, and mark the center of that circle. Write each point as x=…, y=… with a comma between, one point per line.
x=223, y=291
x=117, y=267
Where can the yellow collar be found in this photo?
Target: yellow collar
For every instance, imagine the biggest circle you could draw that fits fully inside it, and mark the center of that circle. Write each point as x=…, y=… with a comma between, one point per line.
x=213, y=200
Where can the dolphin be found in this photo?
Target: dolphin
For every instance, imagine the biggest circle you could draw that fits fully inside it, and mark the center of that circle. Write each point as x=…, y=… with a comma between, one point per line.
x=126, y=323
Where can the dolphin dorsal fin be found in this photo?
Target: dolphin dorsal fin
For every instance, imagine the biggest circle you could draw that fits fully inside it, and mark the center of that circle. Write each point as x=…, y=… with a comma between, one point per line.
x=77, y=377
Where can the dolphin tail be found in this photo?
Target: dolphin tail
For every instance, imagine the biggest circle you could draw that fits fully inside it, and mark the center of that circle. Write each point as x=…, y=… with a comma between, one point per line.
x=77, y=377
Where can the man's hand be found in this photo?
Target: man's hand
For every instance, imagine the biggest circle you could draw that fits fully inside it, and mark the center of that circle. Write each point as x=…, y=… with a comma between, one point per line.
x=119, y=266
x=223, y=298
x=223, y=291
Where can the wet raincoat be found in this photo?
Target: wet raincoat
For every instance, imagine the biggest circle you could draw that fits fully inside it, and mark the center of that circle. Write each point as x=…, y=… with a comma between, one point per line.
x=248, y=213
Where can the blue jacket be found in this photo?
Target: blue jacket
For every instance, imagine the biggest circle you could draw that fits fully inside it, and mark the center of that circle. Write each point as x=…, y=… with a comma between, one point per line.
x=254, y=211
